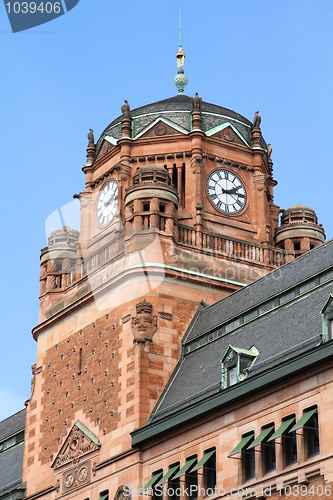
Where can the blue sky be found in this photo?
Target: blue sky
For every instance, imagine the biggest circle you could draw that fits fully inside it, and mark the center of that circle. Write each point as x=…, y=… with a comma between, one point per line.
x=72, y=74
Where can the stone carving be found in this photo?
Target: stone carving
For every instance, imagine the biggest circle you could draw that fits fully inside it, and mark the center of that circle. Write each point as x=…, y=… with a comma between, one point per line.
x=269, y=151
x=228, y=134
x=196, y=102
x=160, y=129
x=77, y=445
x=91, y=139
x=144, y=324
x=106, y=146
x=33, y=380
x=257, y=120
x=123, y=493
x=126, y=318
x=76, y=476
x=125, y=109
x=165, y=315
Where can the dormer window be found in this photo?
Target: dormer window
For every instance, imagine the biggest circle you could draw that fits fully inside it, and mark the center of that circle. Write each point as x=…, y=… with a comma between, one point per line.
x=236, y=364
x=327, y=320
x=232, y=375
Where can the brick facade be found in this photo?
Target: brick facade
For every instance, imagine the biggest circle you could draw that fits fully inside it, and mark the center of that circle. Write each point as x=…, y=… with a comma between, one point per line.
x=81, y=372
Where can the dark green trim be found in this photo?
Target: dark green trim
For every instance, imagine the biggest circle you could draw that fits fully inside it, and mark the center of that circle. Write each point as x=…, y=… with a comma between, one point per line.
x=185, y=467
x=261, y=437
x=283, y=427
x=304, y=419
x=104, y=497
x=241, y=445
x=273, y=376
x=153, y=480
x=203, y=460
x=167, y=475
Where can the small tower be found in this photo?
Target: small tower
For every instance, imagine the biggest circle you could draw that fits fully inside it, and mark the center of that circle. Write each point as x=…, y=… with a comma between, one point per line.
x=151, y=202
x=180, y=79
x=299, y=231
x=58, y=261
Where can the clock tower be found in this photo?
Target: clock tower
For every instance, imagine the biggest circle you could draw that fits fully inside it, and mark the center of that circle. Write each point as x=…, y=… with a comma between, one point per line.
x=177, y=208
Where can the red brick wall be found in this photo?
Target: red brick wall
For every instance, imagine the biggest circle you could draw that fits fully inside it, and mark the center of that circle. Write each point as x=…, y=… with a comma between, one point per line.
x=95, y=390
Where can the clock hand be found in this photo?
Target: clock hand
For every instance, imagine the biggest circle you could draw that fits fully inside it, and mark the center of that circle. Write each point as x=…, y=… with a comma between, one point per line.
x=109, y=201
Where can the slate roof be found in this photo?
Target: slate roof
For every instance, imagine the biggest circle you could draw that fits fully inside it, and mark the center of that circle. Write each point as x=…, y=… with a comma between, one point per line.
x=12, y=425
x=178, y=110
x=11, y=464
x=11, y=460
x=281, y=279
x=289, y=330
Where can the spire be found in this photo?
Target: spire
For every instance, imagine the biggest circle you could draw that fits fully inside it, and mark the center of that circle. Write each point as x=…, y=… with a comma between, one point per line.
x=180, y=80
x=180, y=28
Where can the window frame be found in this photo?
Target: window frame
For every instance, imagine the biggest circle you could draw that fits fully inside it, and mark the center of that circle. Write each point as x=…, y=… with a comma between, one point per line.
x=191, y=478
x=174, y=484
x=154, y=495
x=311, y=434
x=209, y=469
x=248, y=459
x=268, y=451
x=289, y=442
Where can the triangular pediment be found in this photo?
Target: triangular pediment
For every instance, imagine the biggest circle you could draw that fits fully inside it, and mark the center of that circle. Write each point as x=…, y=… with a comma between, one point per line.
x=161, y=127
x=328, y=307
x=107, y=145
x=228, y=133
x=79, y=443
x=230, y=354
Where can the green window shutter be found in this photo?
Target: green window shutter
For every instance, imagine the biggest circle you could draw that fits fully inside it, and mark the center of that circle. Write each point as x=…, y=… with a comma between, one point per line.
x=303, y=420
x=241, y=445
x=203, y=460
x=282, y=428
x=104, y=497
x=185, y=467
x=167, y=475
x=261, y=437
x=152, y=481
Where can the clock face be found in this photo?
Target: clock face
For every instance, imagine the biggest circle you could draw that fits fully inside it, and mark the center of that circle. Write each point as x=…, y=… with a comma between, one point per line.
x=107, y=203
x=226, y=191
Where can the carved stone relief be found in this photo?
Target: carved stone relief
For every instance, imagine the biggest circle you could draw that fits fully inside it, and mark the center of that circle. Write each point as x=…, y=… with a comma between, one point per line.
x=76, y=476
x=77, y=445
x=144, y=324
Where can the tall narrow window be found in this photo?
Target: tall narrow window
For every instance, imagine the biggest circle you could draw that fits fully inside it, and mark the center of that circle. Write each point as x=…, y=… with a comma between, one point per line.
x=268, y=451
x=289, y=443
x=311, y=432
x=80, y=362
x=174, y=484
x=209, y=471
x=174, y=176
x=158, y=490
x=232, y=375
x=191, y=480
x=104, y=495
x=248, y=457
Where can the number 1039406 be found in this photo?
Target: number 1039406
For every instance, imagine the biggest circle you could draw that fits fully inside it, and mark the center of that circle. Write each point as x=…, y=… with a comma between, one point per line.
x=33, y=7
x=304, y=490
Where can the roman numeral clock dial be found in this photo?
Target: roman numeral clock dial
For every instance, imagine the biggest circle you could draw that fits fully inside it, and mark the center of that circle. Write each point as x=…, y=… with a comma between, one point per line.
x=226, y=192
x=107, y=203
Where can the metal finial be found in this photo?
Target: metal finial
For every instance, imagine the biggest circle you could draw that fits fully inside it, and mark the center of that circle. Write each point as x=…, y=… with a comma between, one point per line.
x=180, y=80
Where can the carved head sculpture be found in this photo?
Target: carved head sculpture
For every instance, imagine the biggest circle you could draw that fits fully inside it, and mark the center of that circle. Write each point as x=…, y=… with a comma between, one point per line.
x=144, y=324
